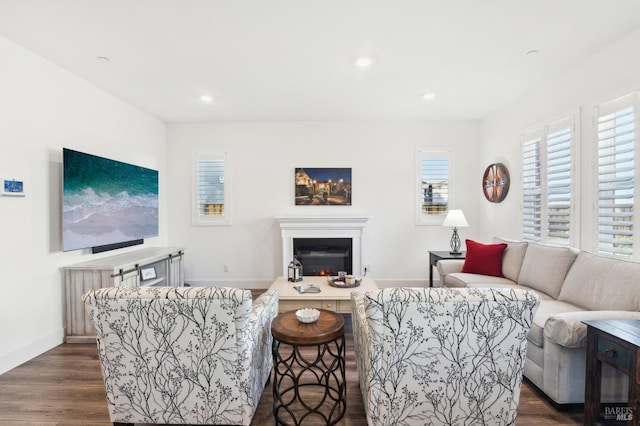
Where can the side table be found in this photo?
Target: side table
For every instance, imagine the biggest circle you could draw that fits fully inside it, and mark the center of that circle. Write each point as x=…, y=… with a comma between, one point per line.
x=308, y=386
x=616, y=343
x=434, y=256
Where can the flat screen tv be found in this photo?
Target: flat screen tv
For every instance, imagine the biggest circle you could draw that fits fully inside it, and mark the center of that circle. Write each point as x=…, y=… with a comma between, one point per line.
x=106, y=204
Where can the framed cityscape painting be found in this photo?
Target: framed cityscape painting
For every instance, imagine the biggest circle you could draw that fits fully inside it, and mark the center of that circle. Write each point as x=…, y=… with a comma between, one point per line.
x=323, y=186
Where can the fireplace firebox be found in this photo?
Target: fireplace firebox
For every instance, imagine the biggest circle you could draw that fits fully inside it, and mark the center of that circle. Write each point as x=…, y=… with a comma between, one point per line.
x=324, y=256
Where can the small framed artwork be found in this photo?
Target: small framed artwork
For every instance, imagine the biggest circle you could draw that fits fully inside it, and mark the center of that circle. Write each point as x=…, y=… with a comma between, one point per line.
x=148, y=273
x=12, y=187
x=322, y=186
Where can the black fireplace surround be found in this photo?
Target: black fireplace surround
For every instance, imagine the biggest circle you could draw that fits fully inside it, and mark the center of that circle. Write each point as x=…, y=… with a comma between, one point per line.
x=324, y=256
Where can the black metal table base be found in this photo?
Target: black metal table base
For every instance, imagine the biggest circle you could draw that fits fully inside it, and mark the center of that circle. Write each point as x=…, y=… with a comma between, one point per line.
x=309, y=387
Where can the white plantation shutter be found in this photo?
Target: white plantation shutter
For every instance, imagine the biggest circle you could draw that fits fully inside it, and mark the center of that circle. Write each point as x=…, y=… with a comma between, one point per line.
x=547, y=183
x=433, y=184
x=210, y=187
x=532, y=188
x=210, y=190
x=435, y=179
x=559, y=140
x=616, y=121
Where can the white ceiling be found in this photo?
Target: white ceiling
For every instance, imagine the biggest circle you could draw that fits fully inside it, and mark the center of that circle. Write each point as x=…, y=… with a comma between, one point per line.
x=294, y=59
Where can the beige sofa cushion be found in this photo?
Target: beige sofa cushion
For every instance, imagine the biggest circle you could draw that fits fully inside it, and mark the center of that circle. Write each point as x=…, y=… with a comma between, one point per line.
x=449, y=266
x=567, y=329
x=464, y=279
x=600, y=283
x=546, y=310
x=544, y=268
x=512, y=257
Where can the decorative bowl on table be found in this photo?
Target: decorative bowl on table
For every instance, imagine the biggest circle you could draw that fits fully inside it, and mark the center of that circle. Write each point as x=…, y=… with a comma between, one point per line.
x=348, y=282
x=307, y=315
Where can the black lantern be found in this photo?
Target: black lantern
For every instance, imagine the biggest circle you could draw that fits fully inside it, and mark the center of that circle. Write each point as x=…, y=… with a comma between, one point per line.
x=295, y=270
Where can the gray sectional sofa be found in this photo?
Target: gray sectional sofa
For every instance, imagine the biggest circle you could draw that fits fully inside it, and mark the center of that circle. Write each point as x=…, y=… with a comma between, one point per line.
x=574, y=286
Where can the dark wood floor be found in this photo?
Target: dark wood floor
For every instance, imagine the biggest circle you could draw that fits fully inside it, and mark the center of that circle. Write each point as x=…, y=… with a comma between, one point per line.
x=64, y=387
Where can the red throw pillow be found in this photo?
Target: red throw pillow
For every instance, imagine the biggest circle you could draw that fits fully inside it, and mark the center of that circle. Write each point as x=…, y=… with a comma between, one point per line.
x=485, y=259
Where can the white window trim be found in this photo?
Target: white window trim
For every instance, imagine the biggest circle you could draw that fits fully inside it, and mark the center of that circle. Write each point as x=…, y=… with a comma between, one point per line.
x=212, y=220
x=420, y=218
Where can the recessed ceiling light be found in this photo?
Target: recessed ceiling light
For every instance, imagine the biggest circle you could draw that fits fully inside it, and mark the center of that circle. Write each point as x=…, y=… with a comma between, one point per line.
x=364, y=62
x=207, y=99
x=532, y=52
x=103, y=59
x=429, y=95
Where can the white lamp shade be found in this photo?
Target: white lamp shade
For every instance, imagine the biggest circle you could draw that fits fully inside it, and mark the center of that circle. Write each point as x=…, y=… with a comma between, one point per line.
x=455, y=219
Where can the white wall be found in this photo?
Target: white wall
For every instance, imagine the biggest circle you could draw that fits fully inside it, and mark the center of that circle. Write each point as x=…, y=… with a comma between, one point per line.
x=263, y=159
x=606, y=75
x=44, y=108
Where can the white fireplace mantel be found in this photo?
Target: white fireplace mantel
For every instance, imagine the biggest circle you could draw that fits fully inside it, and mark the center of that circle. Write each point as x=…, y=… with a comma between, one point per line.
x=322, y=227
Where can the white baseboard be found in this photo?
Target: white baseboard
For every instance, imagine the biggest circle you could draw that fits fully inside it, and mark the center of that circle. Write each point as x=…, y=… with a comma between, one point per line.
x=248, y=284
x=31, y=350
x=266, y=283
x=389, y=283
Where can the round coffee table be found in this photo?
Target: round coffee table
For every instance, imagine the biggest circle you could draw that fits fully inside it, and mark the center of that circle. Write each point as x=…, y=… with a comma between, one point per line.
x=308, y=382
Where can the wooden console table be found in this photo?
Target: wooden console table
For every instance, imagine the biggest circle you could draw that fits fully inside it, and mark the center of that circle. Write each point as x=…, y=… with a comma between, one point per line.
x=616, y=343
x=163, y=265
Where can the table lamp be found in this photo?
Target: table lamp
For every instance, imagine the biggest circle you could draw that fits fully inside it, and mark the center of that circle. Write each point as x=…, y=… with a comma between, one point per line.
x=455, y=219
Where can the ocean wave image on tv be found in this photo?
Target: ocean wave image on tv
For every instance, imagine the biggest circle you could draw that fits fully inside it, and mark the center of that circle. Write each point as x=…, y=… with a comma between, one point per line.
x=106, y=201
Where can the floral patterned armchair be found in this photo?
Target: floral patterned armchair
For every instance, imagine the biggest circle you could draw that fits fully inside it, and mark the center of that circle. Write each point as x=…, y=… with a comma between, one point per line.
x=441, y=356
x=183, y=355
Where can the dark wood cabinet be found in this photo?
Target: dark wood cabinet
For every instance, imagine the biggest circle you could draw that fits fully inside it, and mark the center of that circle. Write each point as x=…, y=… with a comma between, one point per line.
x=616, y=343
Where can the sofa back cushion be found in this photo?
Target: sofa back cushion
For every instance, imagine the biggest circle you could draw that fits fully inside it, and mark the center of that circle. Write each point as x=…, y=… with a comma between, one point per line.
x=600, y=283
x=544, y=268
x=512, y=257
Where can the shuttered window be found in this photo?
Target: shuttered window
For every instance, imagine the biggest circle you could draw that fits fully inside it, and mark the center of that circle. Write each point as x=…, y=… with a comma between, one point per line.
x=548, y=183
x=532, y=189
x=433, y=186
x=210, y=194
x=616, y=121
x=559, y=180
